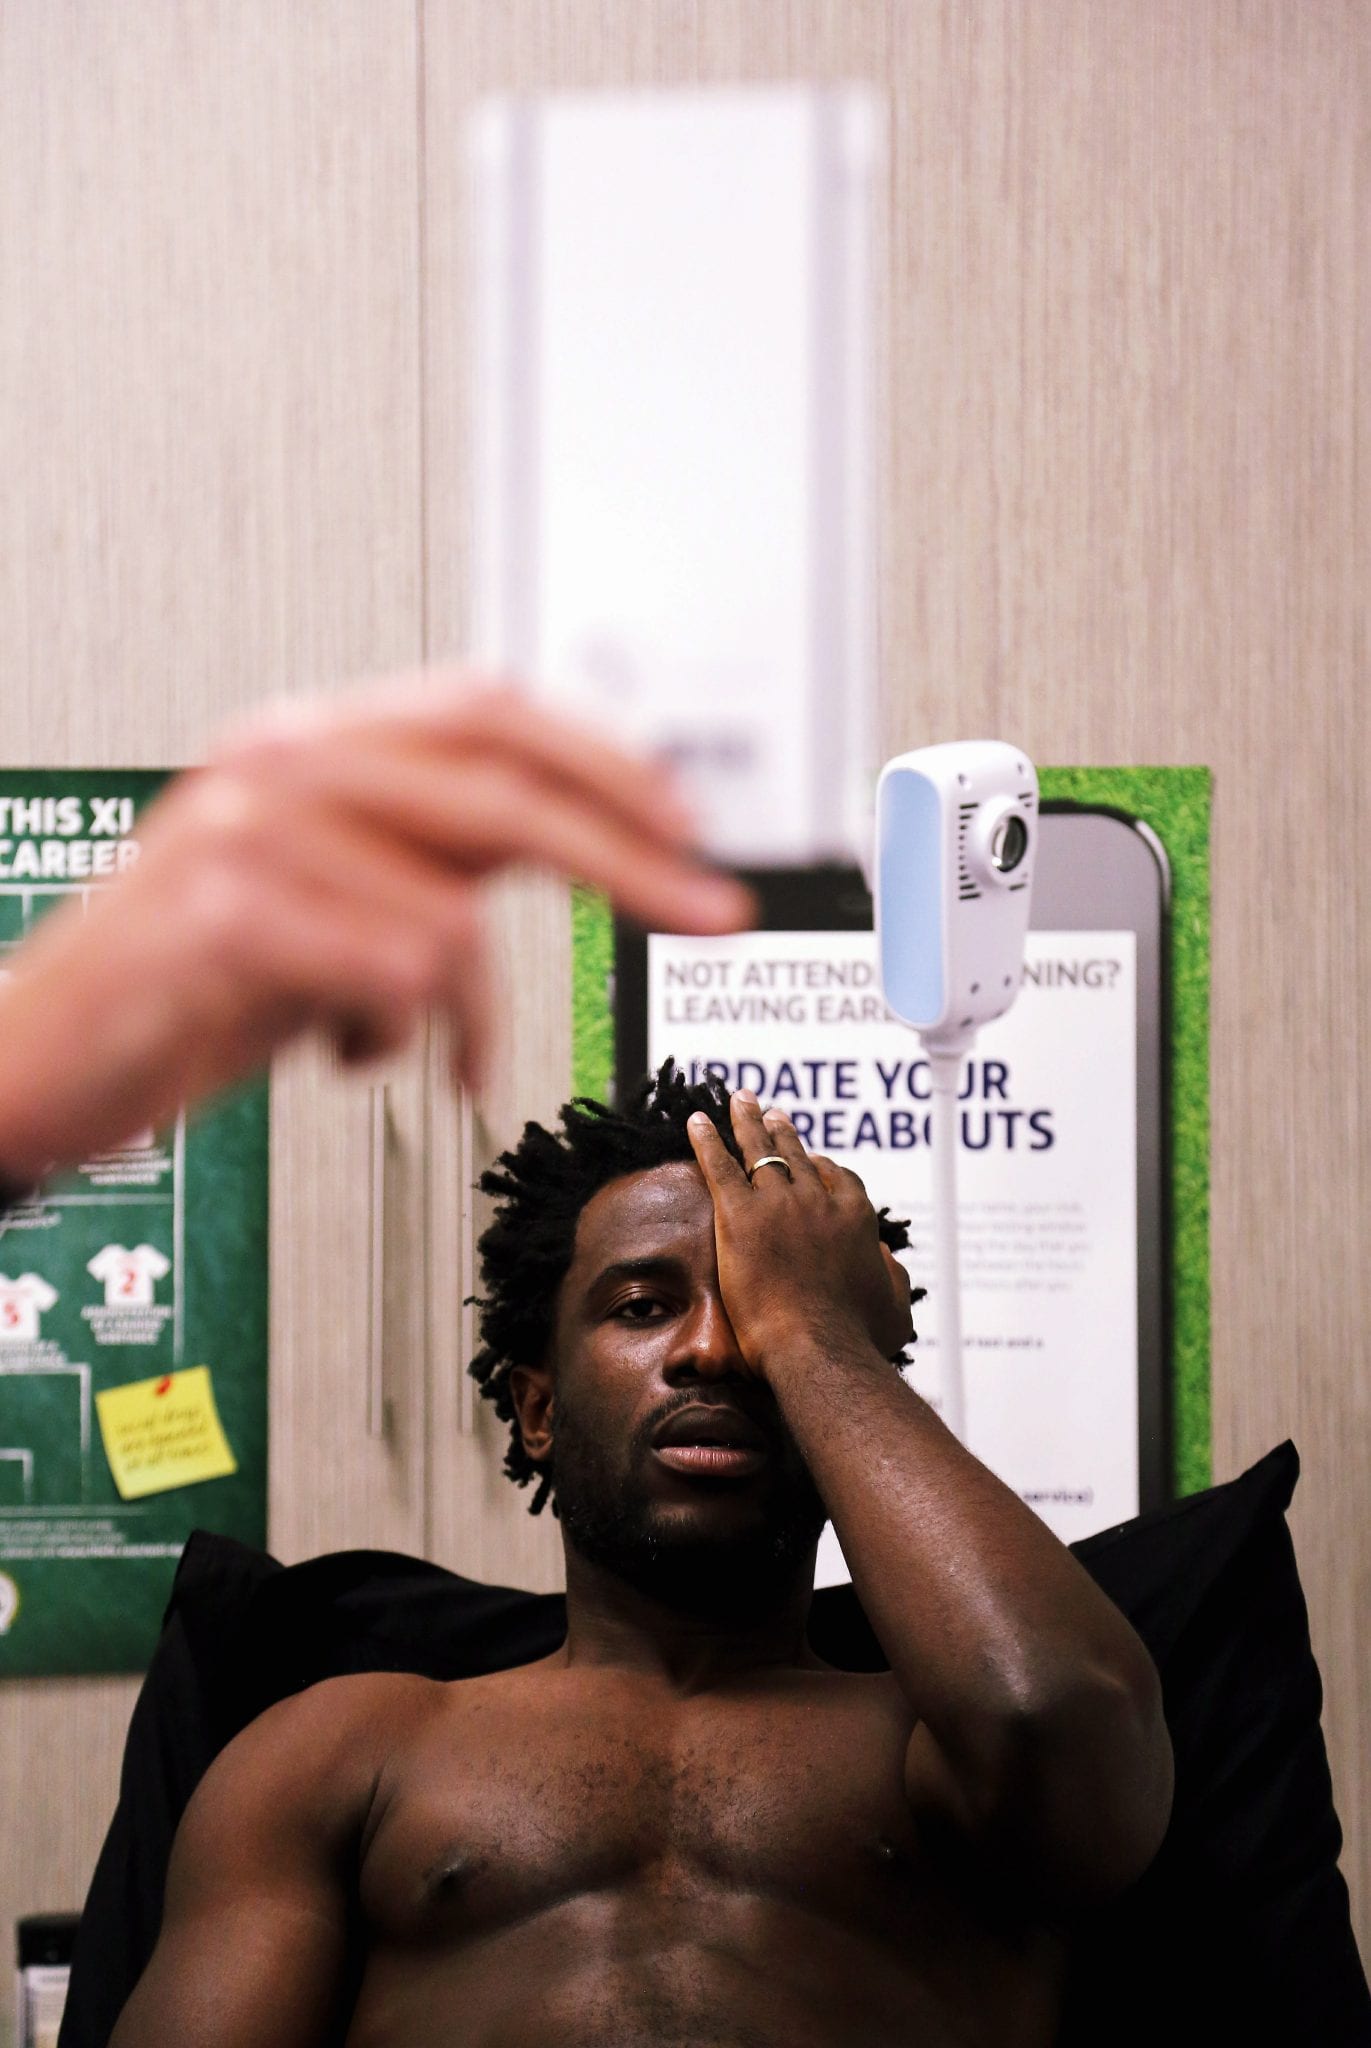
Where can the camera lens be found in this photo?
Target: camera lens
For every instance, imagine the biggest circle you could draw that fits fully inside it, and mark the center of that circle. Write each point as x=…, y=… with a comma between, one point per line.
x=1009, y=843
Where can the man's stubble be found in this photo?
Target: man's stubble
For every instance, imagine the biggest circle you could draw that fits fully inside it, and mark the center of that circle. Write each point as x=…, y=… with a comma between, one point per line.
x=730, y=1571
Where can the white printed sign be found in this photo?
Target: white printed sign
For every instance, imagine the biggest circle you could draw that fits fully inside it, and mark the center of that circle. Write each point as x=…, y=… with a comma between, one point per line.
x=1047, y=1175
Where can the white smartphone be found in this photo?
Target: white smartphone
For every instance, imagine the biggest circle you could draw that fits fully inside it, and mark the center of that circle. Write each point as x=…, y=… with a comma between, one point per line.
x=673, y=487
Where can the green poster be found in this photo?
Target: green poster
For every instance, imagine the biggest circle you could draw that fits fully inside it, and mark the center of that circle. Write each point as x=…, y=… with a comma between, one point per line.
x=133, y=1312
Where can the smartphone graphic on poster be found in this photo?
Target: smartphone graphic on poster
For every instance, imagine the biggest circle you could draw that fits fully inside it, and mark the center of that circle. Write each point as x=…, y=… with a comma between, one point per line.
x=1062, y=1197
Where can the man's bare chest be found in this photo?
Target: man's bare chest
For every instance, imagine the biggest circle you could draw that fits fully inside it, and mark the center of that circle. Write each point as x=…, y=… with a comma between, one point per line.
x=518, y=1800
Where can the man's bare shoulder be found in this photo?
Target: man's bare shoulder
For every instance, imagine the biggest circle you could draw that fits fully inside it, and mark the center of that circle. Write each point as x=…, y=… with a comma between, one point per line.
x=317, y=1754
x=351, y=1724
x=358, y=1706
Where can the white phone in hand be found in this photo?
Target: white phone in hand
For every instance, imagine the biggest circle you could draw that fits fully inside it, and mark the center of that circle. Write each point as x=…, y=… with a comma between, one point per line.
x=673, y=510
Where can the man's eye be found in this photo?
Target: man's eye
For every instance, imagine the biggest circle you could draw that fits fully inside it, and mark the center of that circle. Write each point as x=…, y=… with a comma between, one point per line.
x=639, y=1308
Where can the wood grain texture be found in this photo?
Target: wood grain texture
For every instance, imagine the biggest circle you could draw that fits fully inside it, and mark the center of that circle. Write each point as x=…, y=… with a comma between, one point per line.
x=209, y=411
x=1125, y=518
x=477, y=1519
x=208, y=361
x=1129, y=520
x=332, y=1484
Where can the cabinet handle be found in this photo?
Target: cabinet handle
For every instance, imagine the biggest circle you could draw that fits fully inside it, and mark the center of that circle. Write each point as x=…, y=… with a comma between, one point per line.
x=376, y=1331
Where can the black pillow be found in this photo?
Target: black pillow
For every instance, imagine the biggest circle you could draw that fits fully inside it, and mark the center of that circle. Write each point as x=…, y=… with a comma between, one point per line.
x=1240, y=1930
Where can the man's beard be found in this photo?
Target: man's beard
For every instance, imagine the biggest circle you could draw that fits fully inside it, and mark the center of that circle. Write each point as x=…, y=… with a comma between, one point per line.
x=611, y=1522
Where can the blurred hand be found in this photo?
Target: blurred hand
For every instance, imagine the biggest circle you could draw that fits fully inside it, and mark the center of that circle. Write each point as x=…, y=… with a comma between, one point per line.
x=322, y=871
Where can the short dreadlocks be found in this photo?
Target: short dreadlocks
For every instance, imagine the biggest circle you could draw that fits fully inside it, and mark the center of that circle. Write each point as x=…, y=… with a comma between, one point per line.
x=541, y=1188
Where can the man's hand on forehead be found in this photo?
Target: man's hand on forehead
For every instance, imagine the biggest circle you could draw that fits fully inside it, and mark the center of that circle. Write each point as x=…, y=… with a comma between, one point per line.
x=798, y=1243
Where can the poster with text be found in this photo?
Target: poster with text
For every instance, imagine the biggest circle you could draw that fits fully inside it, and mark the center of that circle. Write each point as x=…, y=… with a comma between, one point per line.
x=1047, y=1175
x=133, y=1309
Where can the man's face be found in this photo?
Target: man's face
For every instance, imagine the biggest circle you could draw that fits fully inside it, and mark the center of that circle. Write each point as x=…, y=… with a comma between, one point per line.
x=644, y=1370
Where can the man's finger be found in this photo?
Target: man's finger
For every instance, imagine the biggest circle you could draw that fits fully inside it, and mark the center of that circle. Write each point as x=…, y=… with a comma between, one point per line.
x=840, y=1180
x=383, y=876
x=901, y=1284
x=457, y=721
x=903, y=1289
x=639, y=790
x=721, y=1170
x=829, y=1172
x=471, y=1005
x=361, y=1040
x=348, y=859
x=476, y=707
x=306, y=960
x=758, y=1141
x=779, y=1135
x=490, y=816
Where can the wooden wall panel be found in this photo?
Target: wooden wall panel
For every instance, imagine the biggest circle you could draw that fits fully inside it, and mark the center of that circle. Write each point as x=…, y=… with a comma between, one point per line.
x=1130, y=506
x=478, y=1521
x=208, y=360
x=209, y=411
x=1126, y=518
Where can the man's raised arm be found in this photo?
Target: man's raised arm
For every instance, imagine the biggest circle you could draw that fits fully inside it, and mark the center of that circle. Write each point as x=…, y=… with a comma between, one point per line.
x=1040, y=1735
x=253, y=1946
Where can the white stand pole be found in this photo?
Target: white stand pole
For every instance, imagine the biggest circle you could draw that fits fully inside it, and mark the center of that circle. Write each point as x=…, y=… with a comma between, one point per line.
x=946, y=1069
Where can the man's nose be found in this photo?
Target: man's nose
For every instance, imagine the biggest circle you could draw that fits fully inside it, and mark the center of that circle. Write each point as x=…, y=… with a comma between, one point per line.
x=707, y=1346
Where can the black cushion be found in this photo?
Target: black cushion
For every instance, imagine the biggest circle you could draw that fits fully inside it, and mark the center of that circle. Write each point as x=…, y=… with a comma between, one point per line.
x=1240, y=1930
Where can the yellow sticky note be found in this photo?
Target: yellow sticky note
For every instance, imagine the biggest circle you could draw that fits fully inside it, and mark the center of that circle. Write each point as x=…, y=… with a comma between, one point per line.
x=164, y=1432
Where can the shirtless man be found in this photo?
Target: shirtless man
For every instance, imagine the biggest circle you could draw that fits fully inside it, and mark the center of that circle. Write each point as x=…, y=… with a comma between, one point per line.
x=683, y=1829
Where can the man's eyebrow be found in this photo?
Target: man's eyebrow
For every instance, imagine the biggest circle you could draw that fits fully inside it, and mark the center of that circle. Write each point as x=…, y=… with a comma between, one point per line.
x=662, y=1267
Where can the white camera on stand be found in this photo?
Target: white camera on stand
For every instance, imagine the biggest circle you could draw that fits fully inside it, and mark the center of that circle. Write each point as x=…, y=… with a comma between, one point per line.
x=956, y=835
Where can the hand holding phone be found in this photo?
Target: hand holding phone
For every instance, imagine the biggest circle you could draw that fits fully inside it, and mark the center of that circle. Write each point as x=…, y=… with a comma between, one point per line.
x=323, y=870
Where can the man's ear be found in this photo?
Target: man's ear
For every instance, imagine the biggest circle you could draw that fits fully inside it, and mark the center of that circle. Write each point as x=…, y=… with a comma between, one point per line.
x=530, y=1389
